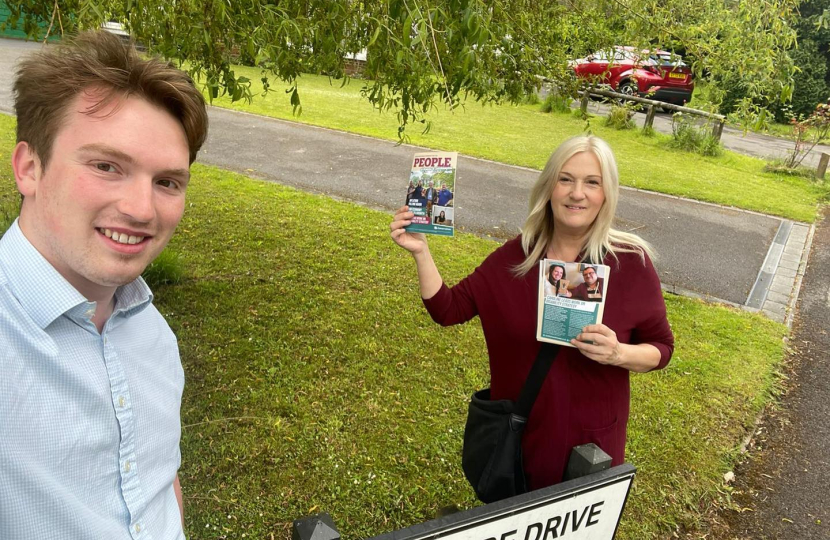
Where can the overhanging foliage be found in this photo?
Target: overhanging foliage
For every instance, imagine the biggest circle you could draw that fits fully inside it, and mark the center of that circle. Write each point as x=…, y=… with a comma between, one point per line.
x=421, y=53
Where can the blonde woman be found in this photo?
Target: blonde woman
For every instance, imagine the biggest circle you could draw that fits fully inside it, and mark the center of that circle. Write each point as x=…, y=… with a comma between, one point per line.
x=585, y=397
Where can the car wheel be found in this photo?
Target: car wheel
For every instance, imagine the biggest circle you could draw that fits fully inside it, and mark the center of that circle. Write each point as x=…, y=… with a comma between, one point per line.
x=629, y=88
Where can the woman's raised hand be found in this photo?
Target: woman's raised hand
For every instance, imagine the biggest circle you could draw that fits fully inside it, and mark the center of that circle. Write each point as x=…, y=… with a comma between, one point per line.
x=414, y=243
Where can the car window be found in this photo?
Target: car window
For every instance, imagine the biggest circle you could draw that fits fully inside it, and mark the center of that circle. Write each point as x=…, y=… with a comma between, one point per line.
x=667, y=60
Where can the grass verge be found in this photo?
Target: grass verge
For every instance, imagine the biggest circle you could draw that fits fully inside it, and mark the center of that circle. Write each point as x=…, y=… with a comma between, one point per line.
x=317, y=382
x=523, y=135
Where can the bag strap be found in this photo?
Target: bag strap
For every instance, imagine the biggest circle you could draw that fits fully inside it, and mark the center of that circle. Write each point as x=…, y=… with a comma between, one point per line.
x=536, y=377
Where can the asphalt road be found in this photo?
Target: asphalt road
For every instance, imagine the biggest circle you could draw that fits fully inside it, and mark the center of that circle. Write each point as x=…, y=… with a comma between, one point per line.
x=492, y=197
x=750, y=144
x=709, y=250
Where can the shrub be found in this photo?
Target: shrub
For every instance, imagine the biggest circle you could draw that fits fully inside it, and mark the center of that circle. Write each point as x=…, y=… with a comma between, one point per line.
x=807, y=133
x=621, y=116
x=809, y=83
x=688, y=136
x=531, y=98
x=779, y=166
x=556, y=102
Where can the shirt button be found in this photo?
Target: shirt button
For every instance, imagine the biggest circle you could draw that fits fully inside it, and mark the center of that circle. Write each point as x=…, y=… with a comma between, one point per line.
x=127, y=466
x=121, y=401
x=137, y=528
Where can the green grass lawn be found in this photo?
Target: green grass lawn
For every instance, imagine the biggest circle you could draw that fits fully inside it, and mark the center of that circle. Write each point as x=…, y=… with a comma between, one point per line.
x=317, y=382
x=522, y=135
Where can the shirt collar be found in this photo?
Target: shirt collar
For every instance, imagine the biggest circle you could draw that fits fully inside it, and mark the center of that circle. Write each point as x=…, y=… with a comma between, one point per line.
x=43, y=292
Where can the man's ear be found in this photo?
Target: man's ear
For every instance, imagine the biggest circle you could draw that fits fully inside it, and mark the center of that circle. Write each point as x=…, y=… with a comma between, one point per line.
x=27, y=169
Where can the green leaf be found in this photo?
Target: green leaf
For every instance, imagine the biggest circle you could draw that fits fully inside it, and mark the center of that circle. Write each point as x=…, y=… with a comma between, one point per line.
x=406, y=31
x=251, y=48
x=375, y=36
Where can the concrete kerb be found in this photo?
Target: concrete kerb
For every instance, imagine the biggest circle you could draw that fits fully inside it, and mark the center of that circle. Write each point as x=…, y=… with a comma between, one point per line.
x=805, y=256
x=784, y=286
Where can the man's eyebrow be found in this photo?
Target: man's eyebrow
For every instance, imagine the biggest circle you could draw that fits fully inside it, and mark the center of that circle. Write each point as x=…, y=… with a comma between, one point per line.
x=107, y=151
x=97, y=148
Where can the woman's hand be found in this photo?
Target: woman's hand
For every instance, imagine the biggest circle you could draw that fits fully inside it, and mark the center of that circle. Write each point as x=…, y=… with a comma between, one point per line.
x=604, y=348
x=415, y=243
x=429, y=280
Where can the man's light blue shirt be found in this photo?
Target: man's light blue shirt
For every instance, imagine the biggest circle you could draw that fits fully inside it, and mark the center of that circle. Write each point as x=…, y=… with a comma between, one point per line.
x=89, y=422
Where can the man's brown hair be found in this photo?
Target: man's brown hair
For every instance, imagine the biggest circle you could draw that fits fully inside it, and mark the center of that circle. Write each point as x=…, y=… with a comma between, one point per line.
x=48, y=81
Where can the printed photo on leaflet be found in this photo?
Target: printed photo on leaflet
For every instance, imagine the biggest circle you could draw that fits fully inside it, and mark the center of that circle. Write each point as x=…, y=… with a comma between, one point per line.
x=571, y=296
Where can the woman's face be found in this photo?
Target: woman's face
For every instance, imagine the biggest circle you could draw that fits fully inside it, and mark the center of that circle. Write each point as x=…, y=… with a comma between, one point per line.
x=442, y=214
x=556, y=273
x=577, y=195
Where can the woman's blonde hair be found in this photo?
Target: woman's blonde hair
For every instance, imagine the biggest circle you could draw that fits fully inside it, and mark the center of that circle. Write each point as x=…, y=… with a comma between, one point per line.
x=602, y=238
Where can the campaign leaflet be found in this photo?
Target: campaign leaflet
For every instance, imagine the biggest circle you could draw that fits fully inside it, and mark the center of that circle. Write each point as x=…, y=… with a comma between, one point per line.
x=431, y=191
x=571, y=296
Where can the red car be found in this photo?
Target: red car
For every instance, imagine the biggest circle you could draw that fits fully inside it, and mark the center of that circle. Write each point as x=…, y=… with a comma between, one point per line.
x=654, y=74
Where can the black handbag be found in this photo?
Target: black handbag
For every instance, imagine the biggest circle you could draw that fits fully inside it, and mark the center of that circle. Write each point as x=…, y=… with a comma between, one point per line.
x=492, y=452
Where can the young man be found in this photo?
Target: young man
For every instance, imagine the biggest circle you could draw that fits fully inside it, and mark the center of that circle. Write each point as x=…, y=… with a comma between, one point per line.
x=91, y=382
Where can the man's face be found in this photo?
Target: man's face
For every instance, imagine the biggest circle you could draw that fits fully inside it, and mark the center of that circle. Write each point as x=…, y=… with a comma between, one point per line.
x=590, y=276
x=111, y=195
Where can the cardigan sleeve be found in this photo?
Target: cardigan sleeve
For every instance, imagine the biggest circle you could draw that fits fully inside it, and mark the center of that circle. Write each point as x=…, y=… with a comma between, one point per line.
x=457, y=304
x=654, y=328
x=462, y=302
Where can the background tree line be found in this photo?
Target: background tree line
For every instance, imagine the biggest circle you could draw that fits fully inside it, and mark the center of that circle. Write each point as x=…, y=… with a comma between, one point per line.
x=811, y=59
x=422, y=53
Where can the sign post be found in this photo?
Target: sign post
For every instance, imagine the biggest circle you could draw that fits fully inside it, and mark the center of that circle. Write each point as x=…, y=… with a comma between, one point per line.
x=586, y=508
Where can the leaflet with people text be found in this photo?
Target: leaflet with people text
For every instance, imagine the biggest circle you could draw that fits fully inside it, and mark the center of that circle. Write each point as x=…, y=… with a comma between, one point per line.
x=571, y=296
x=431, y=192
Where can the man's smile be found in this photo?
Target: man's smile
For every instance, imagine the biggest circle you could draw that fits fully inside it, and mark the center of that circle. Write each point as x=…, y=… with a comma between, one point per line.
x=122, y=237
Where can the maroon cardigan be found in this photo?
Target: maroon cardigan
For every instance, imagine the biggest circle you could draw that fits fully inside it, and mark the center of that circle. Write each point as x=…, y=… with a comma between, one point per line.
x=581, y=401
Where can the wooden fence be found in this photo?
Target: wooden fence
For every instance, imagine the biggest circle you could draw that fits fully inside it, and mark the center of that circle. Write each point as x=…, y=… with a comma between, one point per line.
x=717, y=127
